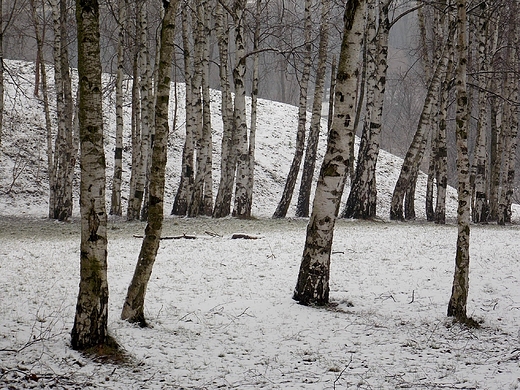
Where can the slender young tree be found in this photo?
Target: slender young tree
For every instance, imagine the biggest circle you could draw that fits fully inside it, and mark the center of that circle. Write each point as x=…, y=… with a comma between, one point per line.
x=91, y=319
x=285, y=201
x=228, y=157
x=459, y=294
x=479, y=176
x=241, y=209
x=133, y=308
x=64, y=160
x=115, y=204
x=313, y=278
x=408, y=175
x=311, y=151
x=362, y=200
x=185, y=189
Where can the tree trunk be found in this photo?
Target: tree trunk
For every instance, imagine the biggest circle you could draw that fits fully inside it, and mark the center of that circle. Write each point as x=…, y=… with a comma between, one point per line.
x=362, y=200
x=133, y=308
x=228, y=157
x=201, y=131
x=480, y=207
x=133, y=196
x=64, y=160
x=241, y=208
x=414, y=156
x=313, y=279
x=302, y=207
x=459, y=294
x=115, y=204
x=509, y=126
x=183, y=195
x=91, y=319
x=285, y=201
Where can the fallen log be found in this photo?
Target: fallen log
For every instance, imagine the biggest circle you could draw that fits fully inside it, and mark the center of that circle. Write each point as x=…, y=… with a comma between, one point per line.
x=171, y=237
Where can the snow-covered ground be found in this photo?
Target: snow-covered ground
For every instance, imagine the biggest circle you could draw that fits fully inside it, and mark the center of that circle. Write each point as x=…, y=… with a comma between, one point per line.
x=220, y=309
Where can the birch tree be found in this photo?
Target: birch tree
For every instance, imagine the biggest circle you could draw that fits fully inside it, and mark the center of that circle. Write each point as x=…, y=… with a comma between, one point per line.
x=311, y=151
x=133, y=308
x=362, y=200
x=285, y=201
x=313, y=279
x=185, y=189
x=228, y=157
x=115, y=204
x=241, y=209
x=91, y=319
x=408, y=175
x=459, y=294
x=61, y=193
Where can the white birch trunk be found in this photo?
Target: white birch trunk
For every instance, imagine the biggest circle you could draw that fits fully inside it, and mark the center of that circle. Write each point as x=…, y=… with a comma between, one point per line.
x=91, y=319
x=285, y=201
x=228, y=157
x=311, y=151
x=133, y=308
x=115, y=204
x=313, y=279
x=241, y=208
x=459, y=294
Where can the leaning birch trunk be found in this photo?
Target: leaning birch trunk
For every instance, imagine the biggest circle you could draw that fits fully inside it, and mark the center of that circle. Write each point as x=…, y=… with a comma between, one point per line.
x=313, y=278
x=91, y=320
x=133, y=308
x=459, y=294
x=309, y=164
x=228, y=160
x=417, y=148
x=241, y=208
x=285, y=201
x=479, y=201
x=183, y=195
x=115, y=203
x=362, y=200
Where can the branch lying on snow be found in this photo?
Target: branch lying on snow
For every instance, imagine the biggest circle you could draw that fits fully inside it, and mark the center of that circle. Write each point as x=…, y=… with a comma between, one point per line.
x=171, y=237
x=244, y=236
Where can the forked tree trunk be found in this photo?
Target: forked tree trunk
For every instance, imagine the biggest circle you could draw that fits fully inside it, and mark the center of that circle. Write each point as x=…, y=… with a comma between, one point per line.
x=459, y=294
x=414, y=156
x=115, y=204
x=133, y=308
x=285, y=201
x=362, y=200
x=91, y=319
x=228, y=157
x=302, y=207
x=313, y=278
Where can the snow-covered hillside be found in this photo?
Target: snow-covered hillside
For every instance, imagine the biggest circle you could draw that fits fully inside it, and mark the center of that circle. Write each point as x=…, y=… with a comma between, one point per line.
x=23, y=179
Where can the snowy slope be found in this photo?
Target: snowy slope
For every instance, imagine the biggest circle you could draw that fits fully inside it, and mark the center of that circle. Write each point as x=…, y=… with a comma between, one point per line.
x=23, y=164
